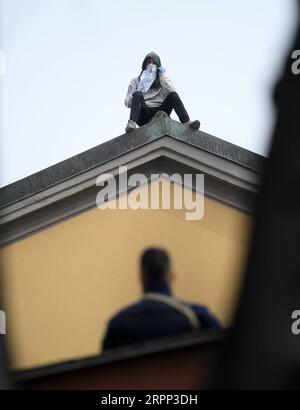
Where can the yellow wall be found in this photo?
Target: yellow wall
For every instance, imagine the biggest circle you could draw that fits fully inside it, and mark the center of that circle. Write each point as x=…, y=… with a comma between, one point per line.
x=61, y=284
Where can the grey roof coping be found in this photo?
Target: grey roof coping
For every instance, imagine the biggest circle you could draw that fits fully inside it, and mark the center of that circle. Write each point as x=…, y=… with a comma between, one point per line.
x=122, y=144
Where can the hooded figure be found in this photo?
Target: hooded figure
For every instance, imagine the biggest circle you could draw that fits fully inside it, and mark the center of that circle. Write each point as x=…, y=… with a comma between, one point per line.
x=153, y=95
x=155, y=59
x=156, y=62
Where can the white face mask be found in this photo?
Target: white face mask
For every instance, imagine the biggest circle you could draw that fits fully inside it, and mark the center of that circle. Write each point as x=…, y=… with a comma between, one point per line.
x=147, y=78
x=151, y=67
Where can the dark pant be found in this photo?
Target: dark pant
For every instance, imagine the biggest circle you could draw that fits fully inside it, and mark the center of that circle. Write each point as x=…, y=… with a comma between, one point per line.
x=141, y=113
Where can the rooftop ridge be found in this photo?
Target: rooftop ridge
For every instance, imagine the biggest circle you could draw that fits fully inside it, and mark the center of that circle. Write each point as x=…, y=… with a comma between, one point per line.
x=122, y=144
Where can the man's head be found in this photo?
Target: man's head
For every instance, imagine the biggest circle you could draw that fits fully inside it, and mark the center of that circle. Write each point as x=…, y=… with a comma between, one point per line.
x=151, y=58
x=155, y=264
x=149, y=61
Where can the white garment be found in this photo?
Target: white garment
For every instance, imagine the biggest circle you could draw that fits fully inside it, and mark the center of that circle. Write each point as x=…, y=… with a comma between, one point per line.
x=153, y=97
x=147, y=78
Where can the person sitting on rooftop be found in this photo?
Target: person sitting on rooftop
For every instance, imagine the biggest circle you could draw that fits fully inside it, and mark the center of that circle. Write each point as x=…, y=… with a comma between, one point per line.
x=153, y=95
x=159, y=313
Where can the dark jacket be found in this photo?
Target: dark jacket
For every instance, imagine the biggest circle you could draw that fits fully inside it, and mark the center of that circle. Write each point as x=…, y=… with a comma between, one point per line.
x=149, y=319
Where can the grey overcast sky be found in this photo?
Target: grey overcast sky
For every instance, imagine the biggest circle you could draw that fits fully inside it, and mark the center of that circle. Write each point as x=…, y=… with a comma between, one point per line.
x=69, y=63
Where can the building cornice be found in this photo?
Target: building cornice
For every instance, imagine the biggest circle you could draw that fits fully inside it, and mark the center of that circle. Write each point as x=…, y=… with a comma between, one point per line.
x=232, y=175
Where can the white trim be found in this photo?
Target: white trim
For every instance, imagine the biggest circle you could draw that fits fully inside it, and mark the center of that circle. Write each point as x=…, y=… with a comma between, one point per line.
x=225, y=181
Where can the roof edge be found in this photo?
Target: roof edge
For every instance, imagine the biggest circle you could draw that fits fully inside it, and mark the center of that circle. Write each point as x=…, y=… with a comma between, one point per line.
x=122, y=144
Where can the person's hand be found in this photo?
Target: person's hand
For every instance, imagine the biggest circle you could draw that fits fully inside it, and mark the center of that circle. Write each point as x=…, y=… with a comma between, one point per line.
x=162, y=69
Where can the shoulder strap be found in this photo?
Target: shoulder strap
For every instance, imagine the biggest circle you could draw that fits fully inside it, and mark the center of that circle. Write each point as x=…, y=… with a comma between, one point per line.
x=181, y=307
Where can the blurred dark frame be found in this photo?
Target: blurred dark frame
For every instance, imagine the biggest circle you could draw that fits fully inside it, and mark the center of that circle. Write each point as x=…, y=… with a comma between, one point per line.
x=262, y=352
